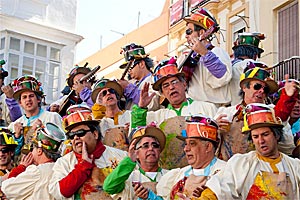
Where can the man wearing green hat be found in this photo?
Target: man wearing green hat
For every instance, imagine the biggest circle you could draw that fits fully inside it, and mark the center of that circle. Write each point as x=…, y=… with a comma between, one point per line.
x=140, y=73
x=245, y=50
x=31, y=178
x=139, y=171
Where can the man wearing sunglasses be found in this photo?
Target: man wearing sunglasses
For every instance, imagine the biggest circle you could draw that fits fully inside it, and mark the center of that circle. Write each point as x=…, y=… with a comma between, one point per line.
x=140, y=73
x=30, y=179
x=80, y=173
x=210, y=78
x=255, y=86
x=107, y=94
x=140, y=171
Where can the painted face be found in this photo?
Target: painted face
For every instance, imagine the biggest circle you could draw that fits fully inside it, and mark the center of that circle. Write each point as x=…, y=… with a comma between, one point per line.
x=5, y=156
x=82, y=133
x=256, y=92
x=29, y=102
x=107, y=97
x=174, y=90
x=265, y=141
x=148, y=150
x=195, y=152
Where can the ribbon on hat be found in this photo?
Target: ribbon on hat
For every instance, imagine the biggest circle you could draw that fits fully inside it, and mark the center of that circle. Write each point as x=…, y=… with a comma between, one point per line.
x=9, y=140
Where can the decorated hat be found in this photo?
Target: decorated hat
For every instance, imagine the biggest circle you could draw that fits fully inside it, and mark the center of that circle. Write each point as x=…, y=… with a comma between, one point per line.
x=201, y=126
x=249, y=39
x=77, y=70
x=49, y=137
x=132, y=52
x=6, y=138
x=202, y=17
x=26, y=83
x=148, y=131
x=260, y=74
x=260, y=115
x=164, y=70
x=105, y=83
x=79, y=115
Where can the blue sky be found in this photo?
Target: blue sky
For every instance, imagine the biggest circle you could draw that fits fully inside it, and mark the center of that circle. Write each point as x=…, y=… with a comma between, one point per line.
x=98, y=19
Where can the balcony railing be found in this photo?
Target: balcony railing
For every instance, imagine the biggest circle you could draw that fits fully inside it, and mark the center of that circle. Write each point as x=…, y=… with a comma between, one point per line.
x=289, y=66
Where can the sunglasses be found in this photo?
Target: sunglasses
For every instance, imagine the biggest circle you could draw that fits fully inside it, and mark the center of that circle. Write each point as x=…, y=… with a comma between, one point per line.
x=134, y=65
x=105, y=92
x=167, y=85
x=79, y=133
x=189, y=31
x=258, y=86
x=5, y=150
x=146, y=145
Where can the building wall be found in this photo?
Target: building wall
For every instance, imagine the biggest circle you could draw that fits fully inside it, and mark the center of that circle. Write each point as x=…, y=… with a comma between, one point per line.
x=47, y=22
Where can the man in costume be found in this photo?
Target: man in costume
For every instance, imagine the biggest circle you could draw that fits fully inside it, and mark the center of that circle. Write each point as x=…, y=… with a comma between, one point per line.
x=114, y=121
x=140, y=66
x=264, y=173
x=31, y=178
x=201, y=141
x=255, y=85
x=80, y=173
x=139, y=171
x=28, y=92
x=209, y=79
x=245, y=50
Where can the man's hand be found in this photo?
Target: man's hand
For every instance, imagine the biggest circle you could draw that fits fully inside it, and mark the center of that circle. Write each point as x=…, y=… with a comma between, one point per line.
x=145, y=99
x=27, y=160
x=37, y=124
x=140, y=191
x=198, y=46
x=290, y=86
x=8, y=91
x=223, y=123
x=18, y=129
x=78, y=87
x=132, y=151
x=85, y=155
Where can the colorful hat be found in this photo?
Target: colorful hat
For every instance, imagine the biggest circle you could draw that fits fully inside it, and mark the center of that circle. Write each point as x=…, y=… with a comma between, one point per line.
x=49, y=137
x=200, y=126
x=77, y=70
x=203, y=18
x=260, y=74
x=148, y=131
x=132, y=51
x=249, y=39
x=260, y=115
x=6, y=138
x=26, y=83
x=78, y=116
x=105, y=83
x=164, y=70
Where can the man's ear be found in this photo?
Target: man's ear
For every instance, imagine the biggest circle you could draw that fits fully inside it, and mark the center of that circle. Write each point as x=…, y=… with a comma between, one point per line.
x=96, y=134
x=39, y=151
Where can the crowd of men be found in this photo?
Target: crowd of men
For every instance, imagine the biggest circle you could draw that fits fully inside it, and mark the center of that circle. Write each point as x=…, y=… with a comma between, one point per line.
x=200, y=127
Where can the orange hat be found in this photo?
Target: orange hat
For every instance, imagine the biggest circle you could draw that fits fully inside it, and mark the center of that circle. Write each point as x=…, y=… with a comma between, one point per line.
x=203, y=18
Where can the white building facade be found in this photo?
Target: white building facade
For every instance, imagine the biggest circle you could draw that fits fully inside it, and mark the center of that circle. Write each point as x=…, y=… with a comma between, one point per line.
x=37, y=38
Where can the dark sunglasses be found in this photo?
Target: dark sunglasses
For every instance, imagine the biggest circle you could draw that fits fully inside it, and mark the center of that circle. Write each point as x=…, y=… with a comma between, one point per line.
x=146, y=145
x=79, y=133
x=258, y=86
x=134, y=65
x=105, y=92
x=5, y=150
x=188, y=31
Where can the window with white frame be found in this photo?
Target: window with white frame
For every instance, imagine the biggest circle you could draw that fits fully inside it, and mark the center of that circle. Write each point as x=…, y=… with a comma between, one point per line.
x=31, y=56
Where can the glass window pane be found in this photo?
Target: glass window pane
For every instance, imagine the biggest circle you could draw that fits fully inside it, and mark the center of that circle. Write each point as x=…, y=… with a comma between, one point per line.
x=13, y=60
x=54, y=54
x=28, y=63
x=1, y=56
x=40, y=66
x=26, y=72
x=29, y=47
x=41, y=50
x=14, y=44
x=13, y=73
x=54, y=69
x=2, y=43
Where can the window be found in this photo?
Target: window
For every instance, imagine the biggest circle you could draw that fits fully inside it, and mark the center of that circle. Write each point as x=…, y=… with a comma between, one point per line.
x=54, y=54
x=13, y=62
x=41, y=51
x=14, y=44
x=29, y=47
x=2, y=43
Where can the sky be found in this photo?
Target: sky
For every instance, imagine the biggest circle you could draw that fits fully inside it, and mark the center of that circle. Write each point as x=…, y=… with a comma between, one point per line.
x=102, y=22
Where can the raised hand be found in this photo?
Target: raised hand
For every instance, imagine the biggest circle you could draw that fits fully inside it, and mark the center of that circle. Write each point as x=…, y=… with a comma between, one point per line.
x=27, y=159
x=290, y=86
x=145, y=98
x=132, y=151
x=85, y=155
